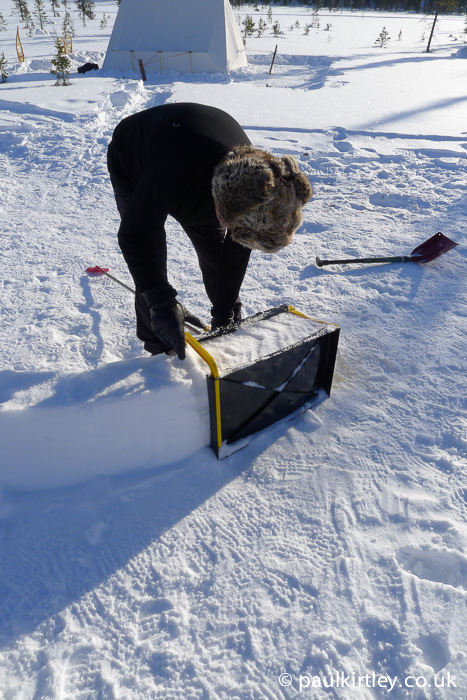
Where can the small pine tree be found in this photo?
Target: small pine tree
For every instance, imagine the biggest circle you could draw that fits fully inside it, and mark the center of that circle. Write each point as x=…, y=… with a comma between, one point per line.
x=104, y=21
x=440, y=7
x=67, y=25
x=276, y=28
x=465, y=31
x=55, y=4
x=383, y=38
x=3, y=70
x=248, y=26
x=61, y=64
x=399, y=36
x=85, y=10
x=39, y=11
x=307, y=30
x=269, y=15
x=90, y=6
x=29, y=25
x=19, y=7
x=261, y=26
x=3, y=26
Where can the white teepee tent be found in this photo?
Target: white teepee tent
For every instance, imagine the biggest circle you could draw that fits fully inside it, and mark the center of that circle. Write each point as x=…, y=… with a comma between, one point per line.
x=187, y=36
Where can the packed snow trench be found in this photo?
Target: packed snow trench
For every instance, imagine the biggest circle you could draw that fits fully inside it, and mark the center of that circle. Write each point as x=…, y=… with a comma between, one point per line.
x=327, y=559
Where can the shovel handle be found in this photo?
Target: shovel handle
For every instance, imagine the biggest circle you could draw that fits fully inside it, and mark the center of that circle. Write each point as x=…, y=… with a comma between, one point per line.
x=350, y=261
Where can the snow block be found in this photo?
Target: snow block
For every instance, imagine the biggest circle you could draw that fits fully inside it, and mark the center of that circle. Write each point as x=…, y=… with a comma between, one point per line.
x=123, y=417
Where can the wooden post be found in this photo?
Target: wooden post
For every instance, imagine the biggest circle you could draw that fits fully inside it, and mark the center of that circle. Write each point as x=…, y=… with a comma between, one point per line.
x=273, y=59
x=141, y=67
x=19, y=48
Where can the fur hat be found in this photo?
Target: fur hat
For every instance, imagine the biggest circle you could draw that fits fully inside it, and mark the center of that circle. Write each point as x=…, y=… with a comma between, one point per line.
x=259, y=197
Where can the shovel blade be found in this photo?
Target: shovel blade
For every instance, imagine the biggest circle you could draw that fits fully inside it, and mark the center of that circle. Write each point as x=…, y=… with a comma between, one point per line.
x=432, y=248
x=97, y=270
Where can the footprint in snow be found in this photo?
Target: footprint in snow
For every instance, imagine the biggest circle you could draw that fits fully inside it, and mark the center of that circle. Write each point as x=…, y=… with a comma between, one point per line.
x=441, y=566
x=435, y=651
x=157, y=619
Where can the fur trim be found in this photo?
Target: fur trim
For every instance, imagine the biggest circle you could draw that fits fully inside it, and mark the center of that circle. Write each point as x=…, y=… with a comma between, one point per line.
x=259, y=197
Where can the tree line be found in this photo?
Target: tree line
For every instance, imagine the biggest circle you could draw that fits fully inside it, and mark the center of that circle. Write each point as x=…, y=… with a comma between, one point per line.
x=426, y=7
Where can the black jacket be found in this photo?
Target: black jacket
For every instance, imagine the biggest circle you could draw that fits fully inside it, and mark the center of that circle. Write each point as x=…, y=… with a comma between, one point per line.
x=161, y=162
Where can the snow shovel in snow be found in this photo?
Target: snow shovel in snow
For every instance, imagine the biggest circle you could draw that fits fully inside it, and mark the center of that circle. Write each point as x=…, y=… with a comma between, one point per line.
x=426, y=252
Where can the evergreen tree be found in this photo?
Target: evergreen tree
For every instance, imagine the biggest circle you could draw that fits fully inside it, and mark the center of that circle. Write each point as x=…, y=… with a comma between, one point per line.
x=248, y=26
x=440, y=7
x=67, y=25
x=24, y=10
x=3, y=70
x=39, y=11
x=85, y=10
x=61, y=64
x=383, y=38
x=19, y=7
x=28, y=23
x=3, y=26
x=261, y=26
x=55, y=4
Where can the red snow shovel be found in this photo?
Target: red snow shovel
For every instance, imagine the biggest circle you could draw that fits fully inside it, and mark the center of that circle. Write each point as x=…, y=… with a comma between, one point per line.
x=105, y=271
x=426, y=252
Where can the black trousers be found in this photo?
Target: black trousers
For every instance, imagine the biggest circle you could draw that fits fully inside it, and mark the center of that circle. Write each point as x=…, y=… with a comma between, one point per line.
x=211, y=247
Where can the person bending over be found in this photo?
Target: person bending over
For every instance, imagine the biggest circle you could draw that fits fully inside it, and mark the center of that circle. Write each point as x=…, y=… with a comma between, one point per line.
x=195, y=163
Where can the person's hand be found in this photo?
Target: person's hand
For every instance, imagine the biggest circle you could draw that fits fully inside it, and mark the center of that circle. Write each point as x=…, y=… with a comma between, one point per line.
x=193, y=320
x=168, y=324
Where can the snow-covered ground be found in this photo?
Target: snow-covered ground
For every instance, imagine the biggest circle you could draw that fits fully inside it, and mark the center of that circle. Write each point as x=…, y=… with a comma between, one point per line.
x=134, y=564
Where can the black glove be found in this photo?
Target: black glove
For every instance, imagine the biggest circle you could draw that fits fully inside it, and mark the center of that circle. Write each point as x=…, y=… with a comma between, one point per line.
x=167, y=323
x=219, y=320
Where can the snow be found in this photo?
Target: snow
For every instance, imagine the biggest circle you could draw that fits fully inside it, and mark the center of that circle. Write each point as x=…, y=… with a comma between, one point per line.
x=133, y=563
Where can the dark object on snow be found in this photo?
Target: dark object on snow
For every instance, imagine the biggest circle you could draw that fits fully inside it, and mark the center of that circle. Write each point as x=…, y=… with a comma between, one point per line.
x=168, y=320
x=87, y=67
x=426, y=252
x=247, y=400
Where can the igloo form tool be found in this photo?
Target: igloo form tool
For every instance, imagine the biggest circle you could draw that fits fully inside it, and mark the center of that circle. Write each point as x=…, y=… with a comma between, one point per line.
x=247, y=400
